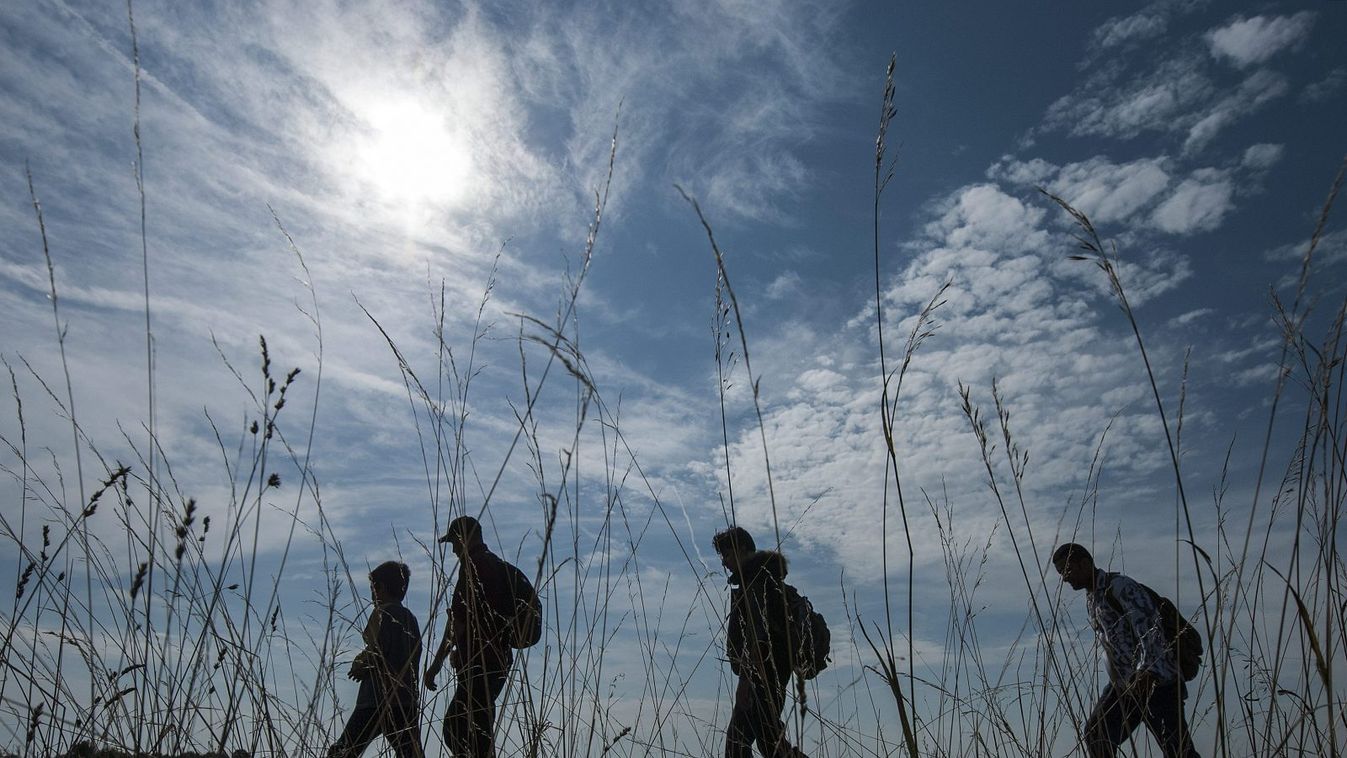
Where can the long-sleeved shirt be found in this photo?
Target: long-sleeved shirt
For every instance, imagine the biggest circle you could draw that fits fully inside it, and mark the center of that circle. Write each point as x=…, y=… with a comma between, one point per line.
x=478, y=609
x=392, y=656
x=756, y=633
x=1128, y=624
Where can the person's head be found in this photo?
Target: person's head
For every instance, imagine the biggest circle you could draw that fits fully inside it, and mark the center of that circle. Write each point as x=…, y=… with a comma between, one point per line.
x=389, y=580
x=464, y=533
x=734, y=545
x=1075, y=564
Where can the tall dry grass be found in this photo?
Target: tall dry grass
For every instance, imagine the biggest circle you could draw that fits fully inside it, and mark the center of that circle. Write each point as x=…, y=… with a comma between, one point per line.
x=147, y=622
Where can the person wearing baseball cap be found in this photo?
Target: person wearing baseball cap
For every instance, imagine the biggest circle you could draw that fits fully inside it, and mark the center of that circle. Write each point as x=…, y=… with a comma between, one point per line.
x=476, y=642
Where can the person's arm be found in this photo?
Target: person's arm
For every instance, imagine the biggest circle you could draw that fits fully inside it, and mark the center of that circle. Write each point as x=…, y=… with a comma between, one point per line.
x=450, y=635
x=734, y=633
x=437, y=662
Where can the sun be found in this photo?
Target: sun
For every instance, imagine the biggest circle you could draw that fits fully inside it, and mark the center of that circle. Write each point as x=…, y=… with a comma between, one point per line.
x=412, y=155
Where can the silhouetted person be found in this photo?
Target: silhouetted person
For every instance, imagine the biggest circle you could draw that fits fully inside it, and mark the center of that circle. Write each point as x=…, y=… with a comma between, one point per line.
x=476, y=642
x=388, y=702
x=1144, y=683
x=757, y=644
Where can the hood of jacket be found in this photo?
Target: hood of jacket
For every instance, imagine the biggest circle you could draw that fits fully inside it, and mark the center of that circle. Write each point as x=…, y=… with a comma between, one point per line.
x=762, y=562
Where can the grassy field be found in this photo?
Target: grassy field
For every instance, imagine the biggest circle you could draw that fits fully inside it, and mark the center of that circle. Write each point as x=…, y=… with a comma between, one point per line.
x=145, y=623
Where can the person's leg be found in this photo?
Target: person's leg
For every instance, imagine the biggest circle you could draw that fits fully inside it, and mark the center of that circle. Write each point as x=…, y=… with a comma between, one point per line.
x=486, y=687
x=1165, y=718
x=771, y=732
x=456, y=724
x=403, y=731
x=742, y=727
x=1110, y=723
x=361, y=729
x=740, y=733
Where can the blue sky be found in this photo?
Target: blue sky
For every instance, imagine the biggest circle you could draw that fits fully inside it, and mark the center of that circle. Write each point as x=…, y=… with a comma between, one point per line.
x=404, y=146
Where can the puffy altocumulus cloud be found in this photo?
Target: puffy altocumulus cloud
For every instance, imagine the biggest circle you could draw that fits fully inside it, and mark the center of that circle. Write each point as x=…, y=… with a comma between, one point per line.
x=1262, y=156
x=1147, y=194
x=1015, y=312
x=1198, y=204
x=1106, y=191
x=1247, y=41
x=1110, y=105
x=1253, y=93
x=1178, y=91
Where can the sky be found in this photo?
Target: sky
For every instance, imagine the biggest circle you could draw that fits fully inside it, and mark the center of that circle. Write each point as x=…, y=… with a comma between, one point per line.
x=441, y=162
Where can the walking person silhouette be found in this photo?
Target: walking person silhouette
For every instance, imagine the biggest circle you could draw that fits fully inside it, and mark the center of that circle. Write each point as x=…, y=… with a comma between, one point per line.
x=387, y=702
x=1146, y=669
x=758, y=646
x=477, y=641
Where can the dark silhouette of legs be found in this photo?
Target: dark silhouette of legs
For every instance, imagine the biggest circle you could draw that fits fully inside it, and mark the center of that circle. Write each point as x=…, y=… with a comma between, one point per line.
x=1117, y=715
x=469, y=723
x=399, y=725
x=757, y=718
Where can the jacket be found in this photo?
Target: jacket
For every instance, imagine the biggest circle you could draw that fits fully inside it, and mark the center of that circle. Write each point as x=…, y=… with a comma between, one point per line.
x=391, y=658
x=477, y=611
x=757, y=629
x=1128, y=625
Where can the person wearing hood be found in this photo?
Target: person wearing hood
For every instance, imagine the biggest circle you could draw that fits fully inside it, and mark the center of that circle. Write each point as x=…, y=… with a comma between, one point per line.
x=757, y=645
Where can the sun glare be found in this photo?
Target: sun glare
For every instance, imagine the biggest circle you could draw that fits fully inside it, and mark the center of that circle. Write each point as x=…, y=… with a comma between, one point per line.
x=413, y=156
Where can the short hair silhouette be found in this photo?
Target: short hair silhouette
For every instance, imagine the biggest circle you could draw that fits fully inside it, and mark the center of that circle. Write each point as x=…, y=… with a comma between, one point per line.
x=392, y=577
x=734, y=538
x=1071, y=551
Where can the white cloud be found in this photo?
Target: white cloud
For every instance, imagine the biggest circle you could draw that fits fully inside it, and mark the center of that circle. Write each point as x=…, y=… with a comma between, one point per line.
x=1015, y=311
x=1262, y=156
x=1326, y=88
x=1122, y=29
x=1110, y=105
x=1331, y=250
x=1253, y=93
x=786, y=284
x=1188, y=317
x=1245, y=42
x=1198, y=204
x=1104, y=190
x=1173, y=89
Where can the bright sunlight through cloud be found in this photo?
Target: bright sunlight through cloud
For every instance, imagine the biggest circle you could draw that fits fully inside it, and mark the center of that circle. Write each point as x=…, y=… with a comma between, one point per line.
x=412, y=154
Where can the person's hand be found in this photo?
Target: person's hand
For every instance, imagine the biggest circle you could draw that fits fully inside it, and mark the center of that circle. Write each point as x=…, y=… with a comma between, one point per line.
x=361, y=666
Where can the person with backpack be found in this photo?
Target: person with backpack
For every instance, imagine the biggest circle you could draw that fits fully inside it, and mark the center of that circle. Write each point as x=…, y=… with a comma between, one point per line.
x=493, y=609
x=1151, y=652
x=761, y=643
x=387, y=702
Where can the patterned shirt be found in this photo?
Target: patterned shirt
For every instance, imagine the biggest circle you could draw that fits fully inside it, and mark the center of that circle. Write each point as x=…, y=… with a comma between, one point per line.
x=1127, y=621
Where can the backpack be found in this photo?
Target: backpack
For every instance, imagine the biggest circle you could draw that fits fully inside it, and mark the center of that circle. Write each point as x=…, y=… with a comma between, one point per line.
x=809, y=633
x=1180, y=635
x=526, y=617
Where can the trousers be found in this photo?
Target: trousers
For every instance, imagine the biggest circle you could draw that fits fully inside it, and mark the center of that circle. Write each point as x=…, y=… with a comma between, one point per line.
x=398, y=723
x=470, y=721
x=1119, y=712
x=758, y=700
